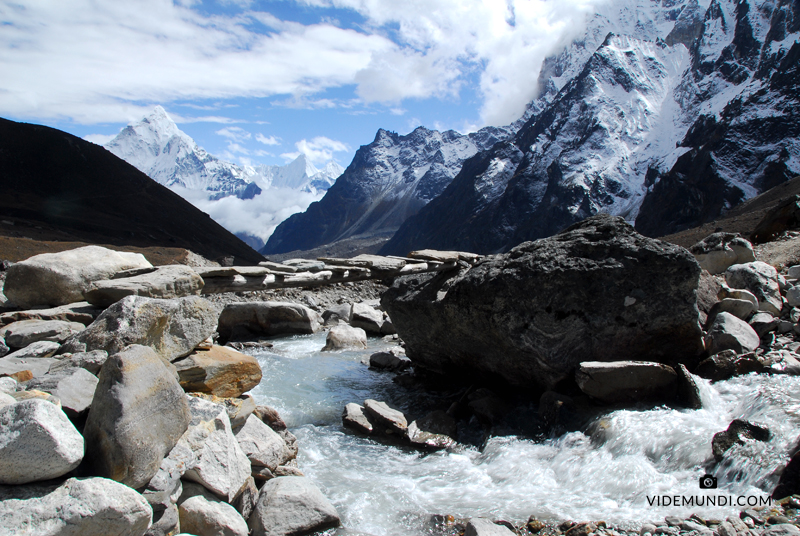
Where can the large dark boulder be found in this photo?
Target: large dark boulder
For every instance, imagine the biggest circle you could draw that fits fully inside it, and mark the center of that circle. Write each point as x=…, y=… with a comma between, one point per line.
x=597, y=291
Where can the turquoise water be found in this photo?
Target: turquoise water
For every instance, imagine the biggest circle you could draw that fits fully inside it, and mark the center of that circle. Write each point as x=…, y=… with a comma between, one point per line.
x=387, y=490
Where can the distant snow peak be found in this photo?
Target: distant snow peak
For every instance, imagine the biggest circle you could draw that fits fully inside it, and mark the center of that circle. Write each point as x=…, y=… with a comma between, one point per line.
x=156, y=146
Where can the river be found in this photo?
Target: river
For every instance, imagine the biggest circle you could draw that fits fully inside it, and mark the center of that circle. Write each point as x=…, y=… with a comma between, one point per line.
x=645, y=460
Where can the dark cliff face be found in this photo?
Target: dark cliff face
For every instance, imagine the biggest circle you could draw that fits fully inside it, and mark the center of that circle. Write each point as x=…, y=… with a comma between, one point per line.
x=664, y=132
x=388, y=181
x=754, y=141
x=61, y=180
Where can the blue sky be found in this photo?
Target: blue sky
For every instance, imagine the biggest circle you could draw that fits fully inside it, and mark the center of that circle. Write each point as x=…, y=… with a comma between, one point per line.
x=258, y=81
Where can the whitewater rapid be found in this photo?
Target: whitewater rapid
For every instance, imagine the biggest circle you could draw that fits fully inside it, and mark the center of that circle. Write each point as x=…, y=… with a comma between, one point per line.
x=622, y=470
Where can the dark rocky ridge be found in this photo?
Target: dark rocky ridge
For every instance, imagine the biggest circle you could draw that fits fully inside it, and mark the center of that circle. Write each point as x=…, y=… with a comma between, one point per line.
x=388, y=180
x=58, y=181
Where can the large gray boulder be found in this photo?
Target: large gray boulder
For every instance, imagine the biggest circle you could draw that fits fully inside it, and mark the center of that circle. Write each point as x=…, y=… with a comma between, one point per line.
x=35, y=350
x=761, y=279
x=291, y=505
x=77, y=507
x=251, y=319
x=627, y=381
x=262, y=446
x=173, y=281
x=138, y=415
x=730, y=333
x=75, y=388
x=62, y=278
x=21, y=334
x=529, y=316
x=219, y=463
x=173, y=328
x=37, y=442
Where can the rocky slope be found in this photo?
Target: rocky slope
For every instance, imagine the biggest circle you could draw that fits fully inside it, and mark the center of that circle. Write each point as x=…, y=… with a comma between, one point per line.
x=388, y=181
x=682, y=111
x=54, y=180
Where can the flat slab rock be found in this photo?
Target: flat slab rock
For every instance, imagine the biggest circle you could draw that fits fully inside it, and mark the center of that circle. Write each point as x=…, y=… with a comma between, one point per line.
x=24, y=332
x=485, y=527
x=626, y=381
x=82, y=312
x=530, y=316
x=172, y=281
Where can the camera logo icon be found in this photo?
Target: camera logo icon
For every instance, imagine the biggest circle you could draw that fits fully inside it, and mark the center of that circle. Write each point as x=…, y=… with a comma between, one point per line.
x=708, y=482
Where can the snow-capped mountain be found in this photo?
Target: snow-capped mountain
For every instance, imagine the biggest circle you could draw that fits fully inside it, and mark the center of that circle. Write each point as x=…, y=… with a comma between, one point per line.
x=156, y=146
x=229, y=193
x=299, y=174
x=389, y=180
x=680, y=110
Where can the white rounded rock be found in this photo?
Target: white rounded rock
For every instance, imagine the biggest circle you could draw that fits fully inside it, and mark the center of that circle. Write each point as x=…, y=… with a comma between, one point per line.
x=78, y=507
x=344, y=337
x=759, y=278
x=37, y=442
x=204, y=515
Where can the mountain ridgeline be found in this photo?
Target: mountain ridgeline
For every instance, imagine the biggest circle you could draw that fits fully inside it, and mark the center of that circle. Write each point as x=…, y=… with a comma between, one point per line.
x=157, y=147
x=388, y=181
x=54, y=179
x=668, y=136
x=665, y=112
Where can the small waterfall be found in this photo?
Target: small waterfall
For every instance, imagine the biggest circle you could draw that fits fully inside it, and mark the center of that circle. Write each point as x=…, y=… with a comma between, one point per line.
x=623, y=473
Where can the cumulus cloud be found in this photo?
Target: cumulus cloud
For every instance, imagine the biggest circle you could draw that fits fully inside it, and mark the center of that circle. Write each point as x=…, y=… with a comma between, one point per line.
x=257, y=216
x=93, y=62
x=235, y=134
x=267, y=140
x=319, y=150
x=442, y=41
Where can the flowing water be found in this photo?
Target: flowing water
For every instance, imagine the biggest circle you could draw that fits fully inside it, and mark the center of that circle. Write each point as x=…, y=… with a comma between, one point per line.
x=624, y=475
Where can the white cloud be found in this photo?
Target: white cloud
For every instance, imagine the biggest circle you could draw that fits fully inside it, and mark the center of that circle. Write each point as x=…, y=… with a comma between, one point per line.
x=96, y=62
x=271, y=140
x=130, y=55
x=236, y=134
x=319, y=151
x=257, y=216
x=99, y=139
x=441, y=41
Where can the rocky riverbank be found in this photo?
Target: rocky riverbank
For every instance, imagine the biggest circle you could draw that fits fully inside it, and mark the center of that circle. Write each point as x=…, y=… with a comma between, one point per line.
x=139, y=401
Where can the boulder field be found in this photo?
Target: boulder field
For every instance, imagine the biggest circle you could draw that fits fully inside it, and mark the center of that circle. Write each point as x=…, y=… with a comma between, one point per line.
x=130, y=420
x=128, y=417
